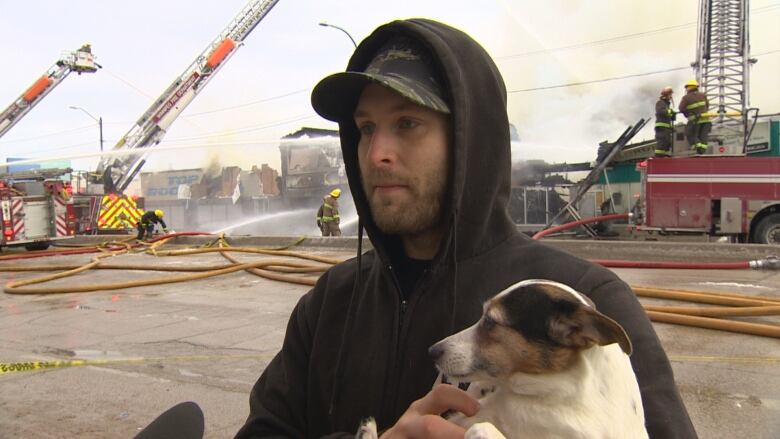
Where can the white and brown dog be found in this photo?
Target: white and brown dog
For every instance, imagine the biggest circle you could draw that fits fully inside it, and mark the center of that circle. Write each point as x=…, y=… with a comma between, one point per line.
x=544, y=364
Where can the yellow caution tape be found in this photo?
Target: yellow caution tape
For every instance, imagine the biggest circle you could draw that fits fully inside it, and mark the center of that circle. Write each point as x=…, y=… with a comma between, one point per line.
x=30, y=366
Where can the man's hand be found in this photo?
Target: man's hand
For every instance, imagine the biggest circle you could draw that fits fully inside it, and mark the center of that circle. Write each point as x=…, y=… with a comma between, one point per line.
x=422, y=419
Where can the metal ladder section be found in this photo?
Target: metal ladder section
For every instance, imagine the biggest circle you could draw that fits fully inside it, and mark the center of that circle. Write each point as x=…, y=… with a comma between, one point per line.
x=593, y=176
x=152, y=126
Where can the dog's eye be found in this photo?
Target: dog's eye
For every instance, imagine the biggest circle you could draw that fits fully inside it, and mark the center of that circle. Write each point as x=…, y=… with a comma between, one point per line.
x=488, y=322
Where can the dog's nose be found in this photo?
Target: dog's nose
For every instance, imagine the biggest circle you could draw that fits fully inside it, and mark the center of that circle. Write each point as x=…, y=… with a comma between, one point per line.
x=436, y=351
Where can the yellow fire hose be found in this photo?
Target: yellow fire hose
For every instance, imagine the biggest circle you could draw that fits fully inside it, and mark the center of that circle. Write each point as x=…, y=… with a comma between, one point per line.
x=704, y=297
x=721, y=324
x=747, y=311
x=18, y=287
x=283, y=270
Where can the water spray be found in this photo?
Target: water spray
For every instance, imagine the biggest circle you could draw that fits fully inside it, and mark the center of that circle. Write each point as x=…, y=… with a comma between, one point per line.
x=260, y=218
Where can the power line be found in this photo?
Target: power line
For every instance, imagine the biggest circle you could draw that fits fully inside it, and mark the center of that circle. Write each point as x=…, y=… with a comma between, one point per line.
x=614, y=78
x=56, y=133
x=247, y=104
x=762, y=9
x=128, y=83
x=244, y=129
x=597, y=42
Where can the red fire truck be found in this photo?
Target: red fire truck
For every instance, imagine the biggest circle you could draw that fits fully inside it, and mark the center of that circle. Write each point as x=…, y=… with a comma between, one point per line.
x=738, y=197
x=36, y=208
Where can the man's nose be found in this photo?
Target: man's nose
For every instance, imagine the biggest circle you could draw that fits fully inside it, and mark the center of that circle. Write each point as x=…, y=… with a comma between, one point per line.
x=382, y=149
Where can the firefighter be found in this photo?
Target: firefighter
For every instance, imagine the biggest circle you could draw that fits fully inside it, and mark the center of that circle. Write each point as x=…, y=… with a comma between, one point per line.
x=664, y=123
x=148, y=220
x=693, y=105
x=328, y=214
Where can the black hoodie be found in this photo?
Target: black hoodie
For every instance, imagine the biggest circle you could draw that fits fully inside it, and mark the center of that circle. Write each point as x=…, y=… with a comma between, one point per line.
x=354, y=348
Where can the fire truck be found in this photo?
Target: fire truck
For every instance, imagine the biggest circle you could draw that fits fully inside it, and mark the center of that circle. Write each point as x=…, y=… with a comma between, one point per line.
x=116, y=211
x=737, y=197
x=36, y=208
x=729, y=191
x=79, y=61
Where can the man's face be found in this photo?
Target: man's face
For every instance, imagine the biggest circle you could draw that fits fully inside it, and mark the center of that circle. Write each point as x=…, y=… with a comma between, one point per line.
x=403, y=155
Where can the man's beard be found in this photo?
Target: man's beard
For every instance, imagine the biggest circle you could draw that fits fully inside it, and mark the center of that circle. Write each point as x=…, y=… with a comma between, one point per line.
x=416, y=215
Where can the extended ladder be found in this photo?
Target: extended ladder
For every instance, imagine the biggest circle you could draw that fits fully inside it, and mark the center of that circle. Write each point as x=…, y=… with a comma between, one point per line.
x=117, y=172
x=80, y=61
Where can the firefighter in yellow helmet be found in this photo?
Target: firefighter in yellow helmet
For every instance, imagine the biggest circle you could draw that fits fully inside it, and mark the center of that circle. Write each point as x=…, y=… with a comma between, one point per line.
x=328, y=214
x=664, y=123
x=146, y=225
x=693, y=105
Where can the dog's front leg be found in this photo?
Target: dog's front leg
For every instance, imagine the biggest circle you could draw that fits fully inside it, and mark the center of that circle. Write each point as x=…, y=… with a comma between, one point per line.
x=483, y=430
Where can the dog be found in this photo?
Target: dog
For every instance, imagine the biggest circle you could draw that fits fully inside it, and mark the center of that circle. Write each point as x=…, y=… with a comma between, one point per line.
x=544, y=363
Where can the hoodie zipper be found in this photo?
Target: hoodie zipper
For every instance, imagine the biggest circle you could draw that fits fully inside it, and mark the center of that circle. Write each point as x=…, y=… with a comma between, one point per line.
x=404, y=305
x=402, y=299
x=388, y=402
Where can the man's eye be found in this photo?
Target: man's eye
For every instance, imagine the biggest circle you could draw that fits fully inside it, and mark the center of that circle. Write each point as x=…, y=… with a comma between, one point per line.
x=366, y=129
x=407, y=123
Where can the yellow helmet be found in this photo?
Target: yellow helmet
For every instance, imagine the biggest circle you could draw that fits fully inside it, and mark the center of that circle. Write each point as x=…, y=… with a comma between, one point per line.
x=692, y=83
x=159, y=213
x=335, y=193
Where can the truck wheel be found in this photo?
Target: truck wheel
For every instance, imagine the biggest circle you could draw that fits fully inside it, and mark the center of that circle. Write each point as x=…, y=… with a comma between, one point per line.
x=768, y=230
x=33, y=246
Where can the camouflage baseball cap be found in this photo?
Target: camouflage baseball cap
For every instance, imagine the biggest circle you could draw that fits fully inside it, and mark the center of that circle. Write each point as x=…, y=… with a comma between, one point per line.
x=401, y=65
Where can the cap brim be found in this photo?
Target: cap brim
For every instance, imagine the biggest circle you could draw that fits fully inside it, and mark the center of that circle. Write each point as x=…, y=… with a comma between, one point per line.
x=336, y=96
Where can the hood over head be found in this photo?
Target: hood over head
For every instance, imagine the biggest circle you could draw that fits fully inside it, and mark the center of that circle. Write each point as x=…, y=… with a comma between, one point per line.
x=464, y=83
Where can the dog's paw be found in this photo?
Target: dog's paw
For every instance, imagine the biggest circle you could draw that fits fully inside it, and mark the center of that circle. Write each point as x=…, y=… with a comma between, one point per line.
x=483, y=430
x=367, y=430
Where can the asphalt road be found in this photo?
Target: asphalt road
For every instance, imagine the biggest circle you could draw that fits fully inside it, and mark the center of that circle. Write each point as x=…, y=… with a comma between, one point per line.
x=146, y=349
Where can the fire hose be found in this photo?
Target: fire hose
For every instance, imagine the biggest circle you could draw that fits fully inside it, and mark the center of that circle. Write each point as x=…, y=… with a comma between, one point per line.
x=261, y=268
x=301, y=273
x=702, y=317
x=109, y=246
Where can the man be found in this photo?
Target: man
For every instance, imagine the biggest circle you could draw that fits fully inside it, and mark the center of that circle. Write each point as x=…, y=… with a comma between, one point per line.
x=664, y=123
x=148, y=220
x=328, y=214
x=693, y=105
x=425, y=139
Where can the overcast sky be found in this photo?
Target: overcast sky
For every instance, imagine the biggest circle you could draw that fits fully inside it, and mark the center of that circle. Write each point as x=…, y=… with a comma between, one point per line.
x=262, y=93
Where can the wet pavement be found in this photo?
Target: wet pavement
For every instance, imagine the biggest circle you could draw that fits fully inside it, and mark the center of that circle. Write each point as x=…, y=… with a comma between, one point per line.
x=146, y=349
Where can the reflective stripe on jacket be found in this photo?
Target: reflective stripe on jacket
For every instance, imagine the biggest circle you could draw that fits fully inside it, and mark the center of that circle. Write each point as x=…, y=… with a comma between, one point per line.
x=663, y=113
x=693, y=105
x=329, y=210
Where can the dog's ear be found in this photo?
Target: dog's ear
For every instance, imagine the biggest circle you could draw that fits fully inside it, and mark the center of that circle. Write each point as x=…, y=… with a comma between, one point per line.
x=586, y=327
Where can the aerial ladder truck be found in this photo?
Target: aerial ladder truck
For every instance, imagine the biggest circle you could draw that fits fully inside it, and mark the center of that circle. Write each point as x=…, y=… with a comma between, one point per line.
x=79, y=61
x=733, y=190
x=36, y=207
x=117, y=212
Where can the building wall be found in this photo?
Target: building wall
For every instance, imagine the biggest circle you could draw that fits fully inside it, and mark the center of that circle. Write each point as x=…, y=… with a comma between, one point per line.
x=164, y=186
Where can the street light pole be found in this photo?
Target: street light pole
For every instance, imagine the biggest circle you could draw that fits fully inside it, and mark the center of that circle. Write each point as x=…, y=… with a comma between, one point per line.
x=99, y=120
x=322, y=23
x=100, y=124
